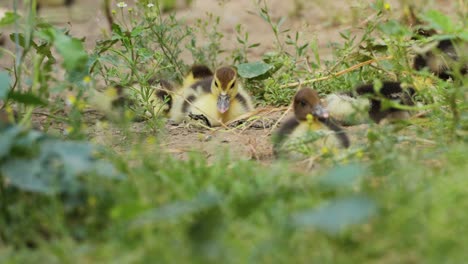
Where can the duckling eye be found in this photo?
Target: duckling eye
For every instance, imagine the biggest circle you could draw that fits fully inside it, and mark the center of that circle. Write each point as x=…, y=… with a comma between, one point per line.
x=302, y=103
x=232, y=84
x=216, y=84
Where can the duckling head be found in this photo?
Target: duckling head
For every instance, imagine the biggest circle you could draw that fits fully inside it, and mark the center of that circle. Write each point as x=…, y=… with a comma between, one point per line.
x=200, y=71
x=224, y=86
x=307, y=106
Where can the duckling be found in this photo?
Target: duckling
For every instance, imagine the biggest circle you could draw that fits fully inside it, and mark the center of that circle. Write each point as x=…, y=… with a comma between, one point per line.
x=161, y=96
x=117, y=98
x=366, y=102
x=197, y=72
x=394, y=91
x=310, y=117
x=439, y=57
x=215, y=99
x=442, y=58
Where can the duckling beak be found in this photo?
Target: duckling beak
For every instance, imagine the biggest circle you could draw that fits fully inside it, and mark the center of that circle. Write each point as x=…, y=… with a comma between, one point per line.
x=223, y=103
x=320, y=112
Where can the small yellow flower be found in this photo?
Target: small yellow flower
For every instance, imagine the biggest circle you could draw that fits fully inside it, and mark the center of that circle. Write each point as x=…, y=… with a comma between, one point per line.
x=9, y=110
x=121, y=4
x=359, y=154
x=71, y=100
x=387, y=6
x=325, y=150
x=130, y=10
x=68, y=130
x=113, y=12
x=87, y=79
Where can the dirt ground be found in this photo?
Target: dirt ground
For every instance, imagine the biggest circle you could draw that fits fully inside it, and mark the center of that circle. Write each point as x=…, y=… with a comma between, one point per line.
x=321, y=20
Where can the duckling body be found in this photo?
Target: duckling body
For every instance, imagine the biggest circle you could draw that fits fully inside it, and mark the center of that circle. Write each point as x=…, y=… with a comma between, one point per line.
x=197, y=73
x=442, y=56
x=310, y=125
x=113, y=100
x=218, y=98
x=349, y=109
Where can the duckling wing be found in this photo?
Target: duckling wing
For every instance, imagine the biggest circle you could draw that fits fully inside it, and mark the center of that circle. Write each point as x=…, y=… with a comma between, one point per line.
x=184, y=99
x=285, y=130
x=347, y=110
x=340, y=134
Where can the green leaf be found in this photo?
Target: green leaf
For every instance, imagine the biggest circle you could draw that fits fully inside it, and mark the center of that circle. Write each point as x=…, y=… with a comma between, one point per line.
x=26, y=98
x=439, y=21
x=76, y=156
x=464, y=35
x=8, y=19
x=393, y=28
x=29, y=175
x=4, y=84
x=253, y=69
x=346, y=176
x=7, y=139
x=334, y=216
x=73, y=53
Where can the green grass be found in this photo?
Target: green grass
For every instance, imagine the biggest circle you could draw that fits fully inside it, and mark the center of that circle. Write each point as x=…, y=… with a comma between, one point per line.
x=403, y=199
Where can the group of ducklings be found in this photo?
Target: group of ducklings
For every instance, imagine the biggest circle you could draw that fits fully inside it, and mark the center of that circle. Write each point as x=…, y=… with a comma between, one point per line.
x=218, y=98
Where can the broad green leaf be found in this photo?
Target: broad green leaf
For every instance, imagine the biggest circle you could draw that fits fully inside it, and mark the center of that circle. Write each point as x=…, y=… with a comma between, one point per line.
x=29, y=175
x=8, y=19
x=26, y=98
x=345, y=176
x=464, y=35
x=26, y=144
x=336, y=215
x=21, y=40
x=48, y=34
x=4, y=84
x=72, y=51
x=253, y=69
x=439, y=21
x=75, y=156
x=7, y=140
x=106, y=169
x=393, y=28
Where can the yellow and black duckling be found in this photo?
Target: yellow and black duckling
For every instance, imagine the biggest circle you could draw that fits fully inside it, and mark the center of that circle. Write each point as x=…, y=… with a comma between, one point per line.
x=214, y=99
x=367, y=102
x=197, y=73
x=310, y=118
x=116, y=99
x=442, y=57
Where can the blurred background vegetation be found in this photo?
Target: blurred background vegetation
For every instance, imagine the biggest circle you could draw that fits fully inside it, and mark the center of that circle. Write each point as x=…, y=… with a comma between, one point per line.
x=70, y=192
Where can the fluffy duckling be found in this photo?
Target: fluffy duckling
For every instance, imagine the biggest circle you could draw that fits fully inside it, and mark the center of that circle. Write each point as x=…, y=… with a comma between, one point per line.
x=310, y=117
x=197, y=73
x=117, y=98
x=442, y=58
x=214, y=99
x=394, y=91
x=349, y=109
